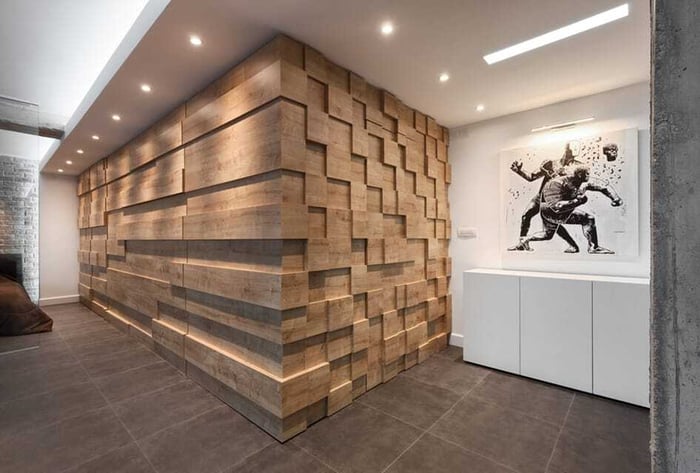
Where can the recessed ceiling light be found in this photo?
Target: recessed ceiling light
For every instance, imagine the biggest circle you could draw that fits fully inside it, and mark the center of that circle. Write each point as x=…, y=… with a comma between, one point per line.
x=560, y=126
x=95, y=137
x=559, y=34
x=444, y=77
x=480, y=107
x=145, y=88
x=60, y=170
x=80, y=151
x=69, y=162
x=195, y=40
x=116, y=118
x=387, y=28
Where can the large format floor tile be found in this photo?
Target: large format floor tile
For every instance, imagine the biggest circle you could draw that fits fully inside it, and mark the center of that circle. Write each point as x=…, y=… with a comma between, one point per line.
x=411, y=401
x=148, y=413
x=141, y=380
x=433, y=455
x=281, y=458
x=357, y=439
x=108, y=363
x=64, y=444
x=507, y=436
x=214, y=441
x=547, y=402
x=42, y=379
x=454, y=375
x=30, y=412
x=127, y=459
x=584, y=452
x=619, y=422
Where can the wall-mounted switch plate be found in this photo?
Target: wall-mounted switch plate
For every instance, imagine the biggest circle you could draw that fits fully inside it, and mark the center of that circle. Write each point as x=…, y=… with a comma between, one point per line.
x=466, y=232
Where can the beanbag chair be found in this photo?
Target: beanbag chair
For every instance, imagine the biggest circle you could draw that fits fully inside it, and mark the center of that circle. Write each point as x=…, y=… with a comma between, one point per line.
x=18, y=314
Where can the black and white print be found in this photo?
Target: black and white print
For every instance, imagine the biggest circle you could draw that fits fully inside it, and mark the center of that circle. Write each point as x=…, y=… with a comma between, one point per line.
x=571, y=199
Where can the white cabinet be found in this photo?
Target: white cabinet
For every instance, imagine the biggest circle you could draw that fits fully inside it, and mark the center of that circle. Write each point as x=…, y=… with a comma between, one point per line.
x=621, y=341
x=492, y=324
x=589, y=333
x=556, y=338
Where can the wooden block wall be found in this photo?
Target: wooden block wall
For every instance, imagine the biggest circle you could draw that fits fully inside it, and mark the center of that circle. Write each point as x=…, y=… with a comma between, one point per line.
x=282, y=237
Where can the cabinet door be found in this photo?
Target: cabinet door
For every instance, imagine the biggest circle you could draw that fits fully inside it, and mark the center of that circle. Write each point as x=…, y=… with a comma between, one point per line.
x=556, y=331
x=492, y=321
x=621, y=341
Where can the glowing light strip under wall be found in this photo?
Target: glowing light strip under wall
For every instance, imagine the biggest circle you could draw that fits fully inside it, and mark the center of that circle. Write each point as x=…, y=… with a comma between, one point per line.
x=559, y=34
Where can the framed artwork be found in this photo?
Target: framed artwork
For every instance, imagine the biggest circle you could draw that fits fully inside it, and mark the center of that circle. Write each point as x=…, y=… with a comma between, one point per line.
x=571, y=200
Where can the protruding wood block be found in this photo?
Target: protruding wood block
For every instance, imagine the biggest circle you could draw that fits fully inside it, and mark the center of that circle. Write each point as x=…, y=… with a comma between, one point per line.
x=264, y=222
x=340, y=104
x=339, y=313
x=339, y=397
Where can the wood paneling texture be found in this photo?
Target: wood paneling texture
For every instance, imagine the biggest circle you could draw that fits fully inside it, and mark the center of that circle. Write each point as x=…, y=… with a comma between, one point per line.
x=282, y=237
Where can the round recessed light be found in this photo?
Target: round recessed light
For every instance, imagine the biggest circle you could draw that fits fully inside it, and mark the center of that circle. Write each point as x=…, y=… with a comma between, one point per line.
x=444, y=77
x=80, y=151
x=116, y=117
x=480, y=107
x=195, y=40
x=60, y=170
x=145, y=88
x=95, y=137
x=69, y=162
x=387, y=28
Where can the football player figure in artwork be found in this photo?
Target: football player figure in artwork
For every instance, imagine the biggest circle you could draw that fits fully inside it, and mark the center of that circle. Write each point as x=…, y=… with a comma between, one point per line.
x=561, y=199
x=548, y=170
x=610, y=151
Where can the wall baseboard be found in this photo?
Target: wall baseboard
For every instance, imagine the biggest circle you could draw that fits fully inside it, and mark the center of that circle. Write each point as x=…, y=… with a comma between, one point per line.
x=47, y=301
x=456, y=339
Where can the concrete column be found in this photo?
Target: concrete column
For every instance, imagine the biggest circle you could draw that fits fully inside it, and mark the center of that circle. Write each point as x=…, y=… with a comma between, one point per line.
x=675, y=170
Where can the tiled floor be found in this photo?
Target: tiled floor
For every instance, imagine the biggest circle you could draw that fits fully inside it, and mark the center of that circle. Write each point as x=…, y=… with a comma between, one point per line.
x=90, y=399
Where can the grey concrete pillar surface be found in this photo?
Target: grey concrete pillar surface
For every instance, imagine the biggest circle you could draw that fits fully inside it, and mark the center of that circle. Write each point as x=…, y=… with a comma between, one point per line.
x=675, y=329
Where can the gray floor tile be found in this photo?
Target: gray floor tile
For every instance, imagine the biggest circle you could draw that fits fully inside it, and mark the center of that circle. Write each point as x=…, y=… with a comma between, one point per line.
x=583, y=452
x=40, y=410
x=454, y=375
x=357, y=439
x=411, y=400
x=127, y=459
x=452, y=352
x=114, y=345
x=548, y=402
x=433, y=455
x=36, y=359
x=211, y=442
x=504, y=435
x=93, y=336
x=623, y=423
x=86, y=327
x=23, y=341
x=144, y=379
x=281, y=458
x=36, y=381
x=111, y=363
x=65, y=444
x=144, y=415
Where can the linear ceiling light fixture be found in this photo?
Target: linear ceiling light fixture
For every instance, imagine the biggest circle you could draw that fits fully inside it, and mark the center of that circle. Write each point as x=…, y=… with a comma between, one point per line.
x=559, y=34
x=561, y=126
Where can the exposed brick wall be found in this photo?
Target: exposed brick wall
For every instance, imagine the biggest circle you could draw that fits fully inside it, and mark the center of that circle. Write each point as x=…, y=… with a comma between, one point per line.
x=19, y=216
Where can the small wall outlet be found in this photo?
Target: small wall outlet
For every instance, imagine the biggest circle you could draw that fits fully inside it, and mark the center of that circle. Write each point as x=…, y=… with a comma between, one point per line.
x=466, y=232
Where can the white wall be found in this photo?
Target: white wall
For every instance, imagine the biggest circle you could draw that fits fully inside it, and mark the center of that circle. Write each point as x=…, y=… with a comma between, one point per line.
x=58, y=239
x=474, y=193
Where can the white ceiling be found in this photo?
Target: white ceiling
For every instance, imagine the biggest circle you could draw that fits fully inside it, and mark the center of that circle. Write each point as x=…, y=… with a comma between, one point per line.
x=430, y=36
x=52, y=52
